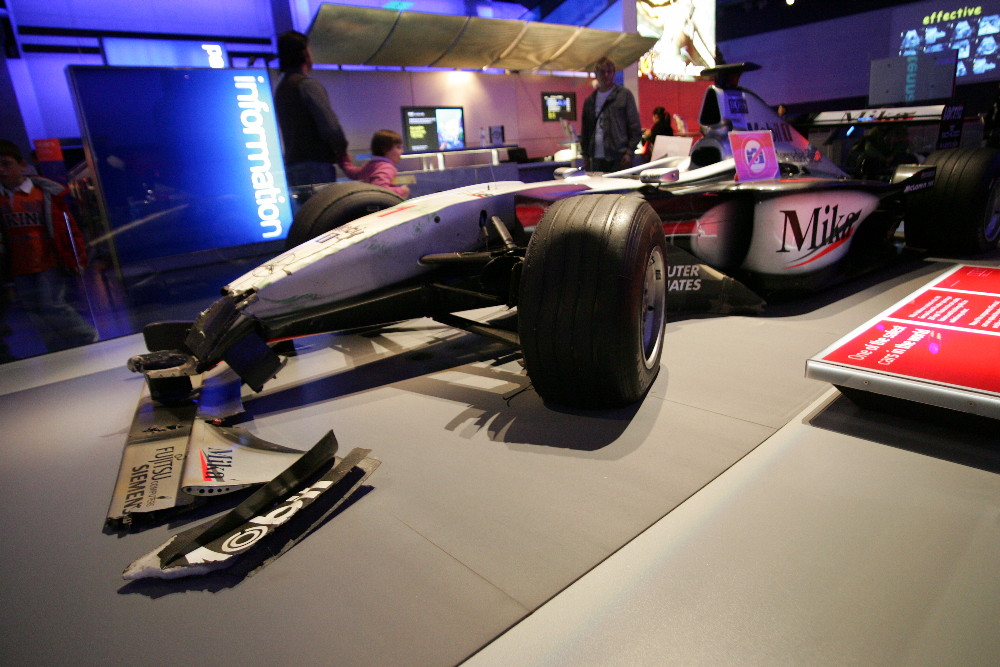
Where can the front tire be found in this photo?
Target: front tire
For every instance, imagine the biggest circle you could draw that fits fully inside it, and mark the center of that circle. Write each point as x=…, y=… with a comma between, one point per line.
x=592, y=302
x=336, y=205
x=961, y=213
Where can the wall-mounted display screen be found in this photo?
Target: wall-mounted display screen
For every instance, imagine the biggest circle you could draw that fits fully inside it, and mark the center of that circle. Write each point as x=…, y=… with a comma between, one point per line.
x=433, y=129
x=686, y=33
x=186, y=159
x=558, y=106
x=972, y=31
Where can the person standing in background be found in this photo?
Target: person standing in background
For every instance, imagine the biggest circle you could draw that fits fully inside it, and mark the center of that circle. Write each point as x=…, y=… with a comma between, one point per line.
x=661, y=127
x=310, y=132
x=40, y=244
x=387, y=148
x=611, y=128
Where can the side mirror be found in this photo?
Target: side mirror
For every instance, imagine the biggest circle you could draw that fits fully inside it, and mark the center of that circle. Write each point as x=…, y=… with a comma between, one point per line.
x=562, y=173
x=659, y=175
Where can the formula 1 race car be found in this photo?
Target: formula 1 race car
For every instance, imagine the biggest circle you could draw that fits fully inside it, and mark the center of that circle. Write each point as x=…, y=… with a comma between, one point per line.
x=590, y=261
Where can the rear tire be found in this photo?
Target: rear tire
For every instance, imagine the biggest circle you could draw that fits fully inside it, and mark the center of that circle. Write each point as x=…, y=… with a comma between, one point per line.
x=336, y=205
x=961, y=213
x=592, y=302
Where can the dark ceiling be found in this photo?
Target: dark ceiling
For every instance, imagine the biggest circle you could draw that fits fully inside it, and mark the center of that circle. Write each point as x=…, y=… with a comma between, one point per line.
x=742, y=18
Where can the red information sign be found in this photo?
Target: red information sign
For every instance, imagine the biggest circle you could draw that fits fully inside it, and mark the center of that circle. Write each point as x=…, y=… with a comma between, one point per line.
x=948, y=332
x=48, y=150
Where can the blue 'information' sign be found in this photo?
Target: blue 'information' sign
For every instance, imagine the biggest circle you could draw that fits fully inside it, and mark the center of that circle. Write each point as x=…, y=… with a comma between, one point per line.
x=187, y=159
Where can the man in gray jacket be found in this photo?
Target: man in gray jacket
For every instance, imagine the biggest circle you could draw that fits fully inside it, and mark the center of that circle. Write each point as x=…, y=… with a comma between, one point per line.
x=611, y=128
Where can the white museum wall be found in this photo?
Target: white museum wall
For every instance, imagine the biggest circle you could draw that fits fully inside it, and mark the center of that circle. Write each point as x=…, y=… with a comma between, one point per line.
x=369, y=101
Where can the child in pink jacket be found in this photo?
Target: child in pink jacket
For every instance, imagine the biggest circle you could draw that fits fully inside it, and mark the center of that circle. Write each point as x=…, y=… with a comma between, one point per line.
x=387, y=148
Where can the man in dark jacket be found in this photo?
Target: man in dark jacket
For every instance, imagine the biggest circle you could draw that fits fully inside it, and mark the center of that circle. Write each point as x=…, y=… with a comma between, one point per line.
x=312, y=137
x=611, y=128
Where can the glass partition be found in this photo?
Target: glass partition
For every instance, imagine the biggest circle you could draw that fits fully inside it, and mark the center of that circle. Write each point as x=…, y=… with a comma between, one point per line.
x=182, y=190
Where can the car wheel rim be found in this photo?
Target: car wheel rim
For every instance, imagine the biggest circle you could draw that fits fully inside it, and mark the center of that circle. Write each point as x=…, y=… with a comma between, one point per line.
x=653, y=307
x=991, y=228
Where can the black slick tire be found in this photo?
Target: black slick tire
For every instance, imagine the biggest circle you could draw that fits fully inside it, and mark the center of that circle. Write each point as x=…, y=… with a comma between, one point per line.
x=336, y=205
x=592, y=301
x=960, y=215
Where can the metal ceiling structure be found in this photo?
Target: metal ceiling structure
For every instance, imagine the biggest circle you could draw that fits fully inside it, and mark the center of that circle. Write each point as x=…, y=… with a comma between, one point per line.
x=345, y=35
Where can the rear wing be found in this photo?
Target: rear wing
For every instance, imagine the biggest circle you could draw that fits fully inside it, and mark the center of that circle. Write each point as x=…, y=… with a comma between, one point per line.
x=933, y=113
x=949, y=119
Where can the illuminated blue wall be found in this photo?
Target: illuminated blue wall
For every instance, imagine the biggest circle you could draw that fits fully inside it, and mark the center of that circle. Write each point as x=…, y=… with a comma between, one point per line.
x=223, y=17
x=164, y=52
x=193, y=17
x=305, y=10
x=597, y=15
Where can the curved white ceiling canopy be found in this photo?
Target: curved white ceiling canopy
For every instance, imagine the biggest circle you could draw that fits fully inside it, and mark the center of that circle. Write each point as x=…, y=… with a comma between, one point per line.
x=344, y=35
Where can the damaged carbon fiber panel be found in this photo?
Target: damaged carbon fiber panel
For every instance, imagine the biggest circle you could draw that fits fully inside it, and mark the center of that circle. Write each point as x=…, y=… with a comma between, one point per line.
x=176, y=455
x=266, y=524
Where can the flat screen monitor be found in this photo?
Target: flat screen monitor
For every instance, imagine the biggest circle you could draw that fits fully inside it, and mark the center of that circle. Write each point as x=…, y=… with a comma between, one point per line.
x=685, y=32
x=558, y=106
x=971, y=31
x=186, y=159
x=428, y=129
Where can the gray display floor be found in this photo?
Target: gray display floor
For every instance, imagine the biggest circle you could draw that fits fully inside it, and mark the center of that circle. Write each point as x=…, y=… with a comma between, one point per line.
x=740, y=513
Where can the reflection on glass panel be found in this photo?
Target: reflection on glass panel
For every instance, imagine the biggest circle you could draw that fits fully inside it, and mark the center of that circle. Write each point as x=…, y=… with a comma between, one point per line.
x=182, y=190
